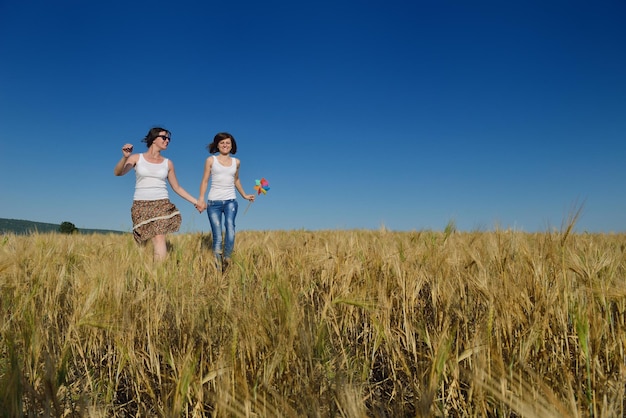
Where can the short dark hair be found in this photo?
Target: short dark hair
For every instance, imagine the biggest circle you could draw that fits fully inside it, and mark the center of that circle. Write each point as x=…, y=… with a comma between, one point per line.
x=212, y=147
x=153, y=134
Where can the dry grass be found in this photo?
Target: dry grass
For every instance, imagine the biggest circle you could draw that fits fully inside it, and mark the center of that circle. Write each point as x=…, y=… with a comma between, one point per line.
x=320, y=324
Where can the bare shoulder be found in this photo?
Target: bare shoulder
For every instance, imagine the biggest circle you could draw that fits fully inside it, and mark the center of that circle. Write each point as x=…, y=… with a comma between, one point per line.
x=132, y=159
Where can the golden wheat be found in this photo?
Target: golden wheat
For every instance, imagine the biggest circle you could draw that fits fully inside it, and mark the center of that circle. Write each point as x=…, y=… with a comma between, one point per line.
x=326, y=323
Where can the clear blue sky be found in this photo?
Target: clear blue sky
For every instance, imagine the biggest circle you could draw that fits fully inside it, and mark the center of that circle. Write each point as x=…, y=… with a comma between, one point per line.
x=360, y=114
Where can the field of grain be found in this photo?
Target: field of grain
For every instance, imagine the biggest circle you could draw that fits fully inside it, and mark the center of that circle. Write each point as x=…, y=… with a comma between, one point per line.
x=320, y=324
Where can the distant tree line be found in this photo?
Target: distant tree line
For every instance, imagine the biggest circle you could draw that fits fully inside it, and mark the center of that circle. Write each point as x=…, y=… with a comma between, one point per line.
x=22, y=227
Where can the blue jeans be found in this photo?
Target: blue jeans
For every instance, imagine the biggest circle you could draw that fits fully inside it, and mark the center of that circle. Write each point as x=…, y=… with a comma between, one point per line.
x=215, y=210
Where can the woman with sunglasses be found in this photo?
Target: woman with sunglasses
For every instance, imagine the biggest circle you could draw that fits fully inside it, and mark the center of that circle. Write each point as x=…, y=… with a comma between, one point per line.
x=152, y=213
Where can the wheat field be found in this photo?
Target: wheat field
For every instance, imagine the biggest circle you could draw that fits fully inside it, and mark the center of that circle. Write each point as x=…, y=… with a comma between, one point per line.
x=315, y=323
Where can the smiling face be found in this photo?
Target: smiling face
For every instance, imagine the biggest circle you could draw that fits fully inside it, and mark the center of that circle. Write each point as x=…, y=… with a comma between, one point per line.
x=157, y=136
x=224, y=143
x=224, y=146
x=165, y=136
x=163, y=139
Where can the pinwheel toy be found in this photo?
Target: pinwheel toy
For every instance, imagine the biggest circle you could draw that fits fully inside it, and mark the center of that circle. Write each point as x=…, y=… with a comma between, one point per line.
x=261, y=186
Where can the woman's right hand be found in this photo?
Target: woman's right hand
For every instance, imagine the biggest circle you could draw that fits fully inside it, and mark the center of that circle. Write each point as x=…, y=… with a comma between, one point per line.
x=127, y=149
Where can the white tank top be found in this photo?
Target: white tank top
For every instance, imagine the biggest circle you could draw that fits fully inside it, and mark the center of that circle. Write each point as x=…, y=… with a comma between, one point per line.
x=222, y=180
x=150, y=180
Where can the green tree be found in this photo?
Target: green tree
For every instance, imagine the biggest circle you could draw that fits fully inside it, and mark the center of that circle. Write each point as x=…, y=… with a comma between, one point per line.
x=67, y=228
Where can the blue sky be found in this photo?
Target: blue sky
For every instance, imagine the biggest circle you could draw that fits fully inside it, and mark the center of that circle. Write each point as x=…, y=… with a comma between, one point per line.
x=360, y=114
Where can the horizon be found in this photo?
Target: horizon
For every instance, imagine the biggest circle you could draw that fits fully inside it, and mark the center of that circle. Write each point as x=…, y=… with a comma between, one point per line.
x=451, y=227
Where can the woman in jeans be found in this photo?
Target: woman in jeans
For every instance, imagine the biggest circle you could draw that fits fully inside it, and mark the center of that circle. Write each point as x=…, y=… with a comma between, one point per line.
x=223, y=170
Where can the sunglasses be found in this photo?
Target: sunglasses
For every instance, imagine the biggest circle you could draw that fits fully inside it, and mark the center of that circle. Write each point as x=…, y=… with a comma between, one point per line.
x=165, y=138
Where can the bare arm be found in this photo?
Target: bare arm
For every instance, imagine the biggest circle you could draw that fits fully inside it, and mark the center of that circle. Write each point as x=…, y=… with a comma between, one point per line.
x=127, y=162
x=239, y=187
x=204, y=183
x=171, y=177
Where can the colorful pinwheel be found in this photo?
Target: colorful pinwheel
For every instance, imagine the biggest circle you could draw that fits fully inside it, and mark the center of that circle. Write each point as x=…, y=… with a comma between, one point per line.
x=262, y=186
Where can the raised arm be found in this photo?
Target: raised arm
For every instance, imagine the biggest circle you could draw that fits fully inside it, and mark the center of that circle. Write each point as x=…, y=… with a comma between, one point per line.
x=127, y=162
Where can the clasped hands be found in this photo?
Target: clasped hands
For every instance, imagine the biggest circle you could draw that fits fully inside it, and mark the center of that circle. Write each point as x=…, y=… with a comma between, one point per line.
x=200, y=205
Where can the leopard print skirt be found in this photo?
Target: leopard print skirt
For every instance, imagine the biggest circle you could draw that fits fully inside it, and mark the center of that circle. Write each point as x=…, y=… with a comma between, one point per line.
x=154, y=217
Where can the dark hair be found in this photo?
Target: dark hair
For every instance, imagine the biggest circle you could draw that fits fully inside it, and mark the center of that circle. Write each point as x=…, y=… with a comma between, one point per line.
x=153, y=134
x=212, y=147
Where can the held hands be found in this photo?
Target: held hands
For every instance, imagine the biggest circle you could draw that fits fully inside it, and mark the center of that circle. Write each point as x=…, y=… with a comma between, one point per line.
x=200, y=205
x=249, y=197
